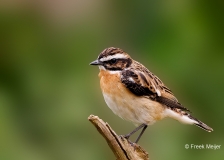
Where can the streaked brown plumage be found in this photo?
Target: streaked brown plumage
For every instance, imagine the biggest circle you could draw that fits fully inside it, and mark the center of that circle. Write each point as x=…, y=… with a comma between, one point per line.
x=135, y=94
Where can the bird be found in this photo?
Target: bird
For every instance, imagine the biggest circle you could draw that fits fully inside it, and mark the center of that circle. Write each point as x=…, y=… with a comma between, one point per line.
x=137, y=95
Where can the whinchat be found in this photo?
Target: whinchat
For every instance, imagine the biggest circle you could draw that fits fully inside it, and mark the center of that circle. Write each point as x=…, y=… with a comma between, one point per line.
x=135, y=94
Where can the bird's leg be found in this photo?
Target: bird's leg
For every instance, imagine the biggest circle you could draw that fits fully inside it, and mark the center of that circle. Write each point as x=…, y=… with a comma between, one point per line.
x=143, y=130
x=127, y=136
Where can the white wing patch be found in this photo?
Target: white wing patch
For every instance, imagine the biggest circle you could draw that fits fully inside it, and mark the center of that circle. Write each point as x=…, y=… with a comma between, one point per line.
x=158, y=92
x=131, y=79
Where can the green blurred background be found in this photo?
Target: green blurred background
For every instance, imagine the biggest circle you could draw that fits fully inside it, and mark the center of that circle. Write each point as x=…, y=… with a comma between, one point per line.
x=48, y=89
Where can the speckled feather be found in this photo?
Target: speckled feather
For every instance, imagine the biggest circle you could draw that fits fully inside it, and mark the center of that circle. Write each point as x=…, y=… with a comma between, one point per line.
x=142, y=82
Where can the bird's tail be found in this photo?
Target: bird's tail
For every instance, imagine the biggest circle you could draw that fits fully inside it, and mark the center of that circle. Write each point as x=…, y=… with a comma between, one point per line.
x=186, y=118
x=201, y=125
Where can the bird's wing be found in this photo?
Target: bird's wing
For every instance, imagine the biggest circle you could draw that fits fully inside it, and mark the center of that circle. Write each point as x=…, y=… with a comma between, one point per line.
x=141, y=82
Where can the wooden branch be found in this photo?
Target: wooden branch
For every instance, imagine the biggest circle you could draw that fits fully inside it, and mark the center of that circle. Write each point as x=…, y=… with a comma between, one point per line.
x=121, y=147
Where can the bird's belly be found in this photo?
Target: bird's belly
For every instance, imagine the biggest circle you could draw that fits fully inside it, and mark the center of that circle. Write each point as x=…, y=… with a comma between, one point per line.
x=137, y=110
x=128, y=106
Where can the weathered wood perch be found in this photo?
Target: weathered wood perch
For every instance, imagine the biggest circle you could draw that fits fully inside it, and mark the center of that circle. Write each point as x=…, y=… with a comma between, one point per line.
x=121, y=147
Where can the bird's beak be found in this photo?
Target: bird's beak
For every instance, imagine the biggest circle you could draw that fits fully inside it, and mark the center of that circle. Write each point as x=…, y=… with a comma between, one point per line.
x=96, y=62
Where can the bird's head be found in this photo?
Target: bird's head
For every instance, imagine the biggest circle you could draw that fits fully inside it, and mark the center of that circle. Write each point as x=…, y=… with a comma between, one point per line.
x=113, y=59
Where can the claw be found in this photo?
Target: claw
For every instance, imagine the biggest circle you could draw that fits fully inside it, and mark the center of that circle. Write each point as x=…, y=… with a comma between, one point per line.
x=126, y=136
x=133, y=144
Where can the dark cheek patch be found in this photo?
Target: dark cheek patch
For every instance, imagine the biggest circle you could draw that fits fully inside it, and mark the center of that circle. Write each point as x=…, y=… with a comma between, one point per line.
x=124, y=63
x=119, y=65
x=115, y=67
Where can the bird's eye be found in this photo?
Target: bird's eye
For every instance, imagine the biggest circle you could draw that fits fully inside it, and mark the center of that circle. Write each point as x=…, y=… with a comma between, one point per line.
x=113, y=60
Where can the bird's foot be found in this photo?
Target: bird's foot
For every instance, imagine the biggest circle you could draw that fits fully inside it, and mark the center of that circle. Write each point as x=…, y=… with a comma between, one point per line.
x=133, y=144
x=127, y=136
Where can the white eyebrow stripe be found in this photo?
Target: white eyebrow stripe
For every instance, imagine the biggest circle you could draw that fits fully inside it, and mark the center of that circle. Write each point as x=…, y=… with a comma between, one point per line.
x=116, y=56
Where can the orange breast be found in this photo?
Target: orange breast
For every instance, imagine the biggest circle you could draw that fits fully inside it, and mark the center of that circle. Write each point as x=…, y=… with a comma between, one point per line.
x=125, y=104
x=109, y=82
